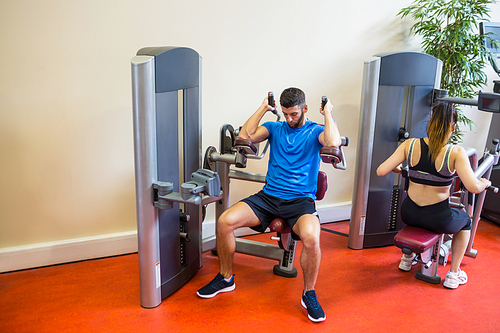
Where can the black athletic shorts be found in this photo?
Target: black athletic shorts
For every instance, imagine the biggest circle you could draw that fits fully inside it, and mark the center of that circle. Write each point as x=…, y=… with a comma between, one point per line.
x=439, y=217
x=268, y=207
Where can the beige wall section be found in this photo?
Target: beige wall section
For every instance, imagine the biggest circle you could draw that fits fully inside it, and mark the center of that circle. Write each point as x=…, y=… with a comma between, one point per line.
x=65, y=93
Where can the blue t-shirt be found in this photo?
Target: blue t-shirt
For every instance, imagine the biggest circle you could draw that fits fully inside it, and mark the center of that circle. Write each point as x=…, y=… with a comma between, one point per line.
x=294, y=160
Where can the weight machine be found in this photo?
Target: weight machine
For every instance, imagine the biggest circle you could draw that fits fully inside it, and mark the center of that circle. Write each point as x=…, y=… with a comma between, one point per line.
x=399, y=90
x=172, y=190
x=170, y=186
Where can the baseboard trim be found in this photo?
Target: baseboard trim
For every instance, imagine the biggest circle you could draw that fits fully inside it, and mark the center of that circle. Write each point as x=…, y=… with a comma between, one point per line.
x=52, y=253
x=335, y=213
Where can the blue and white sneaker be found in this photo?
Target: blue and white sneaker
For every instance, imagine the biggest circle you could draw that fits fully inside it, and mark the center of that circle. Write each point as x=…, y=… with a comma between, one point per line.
x=217, y=285
x=314, y=311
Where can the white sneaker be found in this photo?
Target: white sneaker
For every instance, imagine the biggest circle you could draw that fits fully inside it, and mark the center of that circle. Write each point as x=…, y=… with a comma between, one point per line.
x=406, y=263
x=453, y=280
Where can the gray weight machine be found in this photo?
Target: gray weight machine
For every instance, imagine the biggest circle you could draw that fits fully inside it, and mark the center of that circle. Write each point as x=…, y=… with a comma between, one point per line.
x=395, y=104
x=171, y=189
x=433, y=248
x=399, y=90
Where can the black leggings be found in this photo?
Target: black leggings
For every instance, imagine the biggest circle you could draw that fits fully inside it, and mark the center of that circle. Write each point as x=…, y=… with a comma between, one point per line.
x=439, y=217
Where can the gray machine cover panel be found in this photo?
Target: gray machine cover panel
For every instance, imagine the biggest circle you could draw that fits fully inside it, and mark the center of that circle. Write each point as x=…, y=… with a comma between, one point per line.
x=176, y=68
x=407, y=69
x=168, y=171
x=386, y=129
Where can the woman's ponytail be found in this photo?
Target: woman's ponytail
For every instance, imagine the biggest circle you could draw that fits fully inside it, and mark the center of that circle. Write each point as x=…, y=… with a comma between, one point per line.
x=444, y=117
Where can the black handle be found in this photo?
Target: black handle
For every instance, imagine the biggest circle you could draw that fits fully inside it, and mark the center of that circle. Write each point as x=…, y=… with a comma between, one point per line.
x=324, y=99
x=492, y=188
x=270, y=101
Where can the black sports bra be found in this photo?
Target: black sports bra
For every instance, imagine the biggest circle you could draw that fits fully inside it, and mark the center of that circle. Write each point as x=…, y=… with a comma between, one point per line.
x=424, y=172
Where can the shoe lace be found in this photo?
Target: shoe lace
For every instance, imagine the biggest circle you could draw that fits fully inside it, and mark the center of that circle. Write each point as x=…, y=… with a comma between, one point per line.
x=313, y=301
x=218, y=279
x=215, y=281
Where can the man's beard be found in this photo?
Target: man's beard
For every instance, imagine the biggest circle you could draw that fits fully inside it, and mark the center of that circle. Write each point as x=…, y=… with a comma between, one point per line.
x=297, y=124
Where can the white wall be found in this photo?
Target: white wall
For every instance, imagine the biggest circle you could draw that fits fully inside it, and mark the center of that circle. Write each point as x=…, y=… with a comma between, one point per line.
x=65, y=95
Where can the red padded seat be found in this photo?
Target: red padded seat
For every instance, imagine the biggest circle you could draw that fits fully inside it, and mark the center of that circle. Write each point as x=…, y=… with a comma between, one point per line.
x=416, y=239
x=279, y=225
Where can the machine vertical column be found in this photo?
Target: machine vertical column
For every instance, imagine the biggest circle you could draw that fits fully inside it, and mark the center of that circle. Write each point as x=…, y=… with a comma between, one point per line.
x=144, y=106
x=366, y=133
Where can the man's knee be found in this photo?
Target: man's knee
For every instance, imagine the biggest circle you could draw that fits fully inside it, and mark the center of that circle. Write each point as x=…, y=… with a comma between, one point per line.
x=308, y=229
x=227, y=221
x=237, y=216
x=310, y=239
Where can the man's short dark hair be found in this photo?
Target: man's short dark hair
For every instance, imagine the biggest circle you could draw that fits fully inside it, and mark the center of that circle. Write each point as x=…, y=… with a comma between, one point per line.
x=291, y=97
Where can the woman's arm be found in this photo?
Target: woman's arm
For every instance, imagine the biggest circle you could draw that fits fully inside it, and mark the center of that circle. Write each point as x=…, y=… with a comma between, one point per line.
x=465, y=172
x=394, y=161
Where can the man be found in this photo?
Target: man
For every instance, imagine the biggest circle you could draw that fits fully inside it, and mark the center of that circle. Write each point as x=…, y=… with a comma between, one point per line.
x=289, y=192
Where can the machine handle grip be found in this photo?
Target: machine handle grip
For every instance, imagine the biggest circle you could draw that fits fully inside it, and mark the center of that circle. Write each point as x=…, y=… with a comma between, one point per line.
x=493, y=188
x=271, y=102
x=324, y=100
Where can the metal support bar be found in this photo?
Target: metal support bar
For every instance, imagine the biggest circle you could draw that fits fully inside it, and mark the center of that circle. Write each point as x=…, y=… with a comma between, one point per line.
x=430, y=259
x=458, y=100
x=250, y=176
x=145, y=148
x=259, y=249
x=484, y=169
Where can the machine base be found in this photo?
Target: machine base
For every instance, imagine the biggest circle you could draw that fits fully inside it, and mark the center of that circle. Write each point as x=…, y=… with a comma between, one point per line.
x=434, y=279
x=281, y=272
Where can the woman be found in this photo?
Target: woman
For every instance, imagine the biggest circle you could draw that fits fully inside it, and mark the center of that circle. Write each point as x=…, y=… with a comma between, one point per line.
x=432, y=165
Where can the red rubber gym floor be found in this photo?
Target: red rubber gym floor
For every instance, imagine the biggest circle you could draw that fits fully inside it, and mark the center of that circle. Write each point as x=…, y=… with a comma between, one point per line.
x=360, y=291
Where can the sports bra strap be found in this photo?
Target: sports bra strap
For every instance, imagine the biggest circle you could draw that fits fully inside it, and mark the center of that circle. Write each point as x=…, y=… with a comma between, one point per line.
x=410, y=151
x=446, y=158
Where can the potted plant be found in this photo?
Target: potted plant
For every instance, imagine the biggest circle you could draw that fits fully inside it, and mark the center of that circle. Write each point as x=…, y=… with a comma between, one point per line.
x=449, y=31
